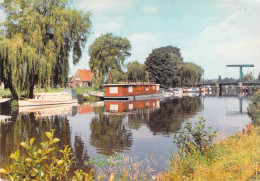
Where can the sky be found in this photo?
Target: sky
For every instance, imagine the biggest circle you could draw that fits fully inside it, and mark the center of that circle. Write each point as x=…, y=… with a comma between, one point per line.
x=210, y=33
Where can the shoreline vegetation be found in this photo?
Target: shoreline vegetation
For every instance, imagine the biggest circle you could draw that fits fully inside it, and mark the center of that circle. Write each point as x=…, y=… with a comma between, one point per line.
x=237, y=157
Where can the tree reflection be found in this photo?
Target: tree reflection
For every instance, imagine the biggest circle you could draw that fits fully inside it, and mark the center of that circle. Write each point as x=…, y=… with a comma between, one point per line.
x=109, y=133
x=25, y=126
x=169, y=117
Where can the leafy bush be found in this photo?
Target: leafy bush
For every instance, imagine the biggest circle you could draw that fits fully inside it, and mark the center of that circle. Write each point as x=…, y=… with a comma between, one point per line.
x=254, y=109
x=195, y=137
x=38, y=164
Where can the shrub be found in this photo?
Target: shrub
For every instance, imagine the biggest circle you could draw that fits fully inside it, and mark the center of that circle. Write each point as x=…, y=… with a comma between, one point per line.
x=193, y=138
x=38, y=163
x=254, y=109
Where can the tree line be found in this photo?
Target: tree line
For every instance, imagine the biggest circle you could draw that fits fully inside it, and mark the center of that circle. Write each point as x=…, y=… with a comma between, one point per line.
x=38, y=38
x=164, y=65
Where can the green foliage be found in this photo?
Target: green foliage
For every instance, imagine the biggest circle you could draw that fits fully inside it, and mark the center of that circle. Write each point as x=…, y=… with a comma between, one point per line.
x=166, y=67
x=254, y=109
x=116, y=76
x=258, y=78
x=38, y=39
x=235, y=158
x=107, y=53
x=136, y=71
x=194, y=138
x=97, y=82
x=188, y=74
x=248, y=78
x=40, y=163
x=160, y=65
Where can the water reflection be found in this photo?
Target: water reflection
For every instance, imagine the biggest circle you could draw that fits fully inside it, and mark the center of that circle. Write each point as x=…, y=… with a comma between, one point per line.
x=109, y=133
x=130, y=127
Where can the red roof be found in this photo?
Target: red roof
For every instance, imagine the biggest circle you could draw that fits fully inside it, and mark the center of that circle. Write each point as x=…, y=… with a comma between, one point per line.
x=86, y=75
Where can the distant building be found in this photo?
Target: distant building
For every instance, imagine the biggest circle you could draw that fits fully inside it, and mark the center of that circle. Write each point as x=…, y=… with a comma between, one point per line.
x=82, y=78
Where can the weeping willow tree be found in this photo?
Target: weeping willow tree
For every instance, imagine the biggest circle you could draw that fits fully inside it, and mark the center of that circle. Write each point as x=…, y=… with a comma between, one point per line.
x=38, y=38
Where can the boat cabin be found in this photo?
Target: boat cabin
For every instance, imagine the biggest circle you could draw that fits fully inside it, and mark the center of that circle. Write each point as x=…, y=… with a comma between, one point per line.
x=128, y=90
x=52, y=96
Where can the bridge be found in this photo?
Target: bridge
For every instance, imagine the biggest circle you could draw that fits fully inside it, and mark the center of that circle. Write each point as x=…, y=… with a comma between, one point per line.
x=218, y=85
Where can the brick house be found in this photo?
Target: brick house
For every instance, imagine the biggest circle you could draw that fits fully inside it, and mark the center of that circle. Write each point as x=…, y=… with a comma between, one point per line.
x=82, y=78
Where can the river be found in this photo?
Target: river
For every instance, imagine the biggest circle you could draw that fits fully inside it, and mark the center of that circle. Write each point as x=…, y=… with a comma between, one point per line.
x=141, y=130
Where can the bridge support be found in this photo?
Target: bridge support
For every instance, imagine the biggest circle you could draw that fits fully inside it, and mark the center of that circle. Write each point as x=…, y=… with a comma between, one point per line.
x=218, y=89
x=239, y=86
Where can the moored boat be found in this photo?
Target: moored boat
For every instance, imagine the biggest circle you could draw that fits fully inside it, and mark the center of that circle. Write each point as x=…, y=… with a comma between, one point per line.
x=177, y=91
x=67, y=96
x=192, y=89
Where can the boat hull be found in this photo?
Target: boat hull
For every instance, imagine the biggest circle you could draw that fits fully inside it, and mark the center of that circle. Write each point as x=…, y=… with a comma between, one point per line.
x=44, y=103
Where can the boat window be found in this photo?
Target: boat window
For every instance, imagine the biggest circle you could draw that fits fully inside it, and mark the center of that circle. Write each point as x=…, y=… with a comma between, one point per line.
x=113, y=90
x=130, y=89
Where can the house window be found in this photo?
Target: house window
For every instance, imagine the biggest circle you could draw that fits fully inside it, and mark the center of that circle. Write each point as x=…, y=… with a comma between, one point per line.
x=146, y=89
x=113, y=90
x=113, y=107
x=153, y=87
x=157, y=87
x=130, y=89
x=77, y=78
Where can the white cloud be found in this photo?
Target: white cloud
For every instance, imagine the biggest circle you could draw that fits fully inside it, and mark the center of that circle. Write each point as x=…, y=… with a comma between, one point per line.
x=150, y=9
x=235, y=40
x=99, y=7
x=113, y=27
x=142, y=45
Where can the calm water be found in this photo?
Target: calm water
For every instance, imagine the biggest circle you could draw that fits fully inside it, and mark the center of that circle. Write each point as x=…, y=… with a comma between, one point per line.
x=141, y=129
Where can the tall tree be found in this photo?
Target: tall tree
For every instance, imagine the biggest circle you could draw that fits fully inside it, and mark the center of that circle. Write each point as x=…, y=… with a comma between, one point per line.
x=38, y=39
x=108, y=52
x=189, y=74
x=136, y=71
x=258, y=78
x=161, y=65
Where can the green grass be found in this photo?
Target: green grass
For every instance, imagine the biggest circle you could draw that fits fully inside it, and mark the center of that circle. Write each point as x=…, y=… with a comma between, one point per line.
x=235, y=158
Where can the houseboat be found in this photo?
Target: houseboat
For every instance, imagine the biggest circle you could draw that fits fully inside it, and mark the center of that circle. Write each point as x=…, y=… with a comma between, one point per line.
x=132, y=91
x=67, y=96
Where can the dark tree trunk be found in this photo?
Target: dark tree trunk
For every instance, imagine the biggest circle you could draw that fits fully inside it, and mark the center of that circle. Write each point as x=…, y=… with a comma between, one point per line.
x=31, y=91
x=13, y=93
x=32, y=82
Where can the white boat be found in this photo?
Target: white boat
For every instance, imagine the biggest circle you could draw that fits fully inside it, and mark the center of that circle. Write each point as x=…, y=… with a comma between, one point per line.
x=177, y=91
x=67, y=96
x=2, y=100
x=168, y=94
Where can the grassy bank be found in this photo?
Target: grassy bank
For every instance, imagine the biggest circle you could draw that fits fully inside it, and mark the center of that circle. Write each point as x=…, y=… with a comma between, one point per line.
x=235, y=158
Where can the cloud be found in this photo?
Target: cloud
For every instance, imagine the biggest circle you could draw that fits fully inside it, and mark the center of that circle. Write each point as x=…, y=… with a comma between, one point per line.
x=99, y=7
x=114, y=27
x=234, y=40
x=143, y=44
x=150, y=9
